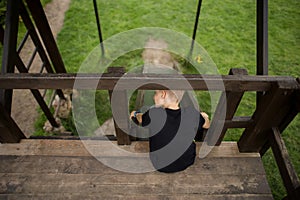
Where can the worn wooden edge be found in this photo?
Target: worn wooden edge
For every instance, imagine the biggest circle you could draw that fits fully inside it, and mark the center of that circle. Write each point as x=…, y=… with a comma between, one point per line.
x=102, y=148
x=135, y=184
x=80, y=196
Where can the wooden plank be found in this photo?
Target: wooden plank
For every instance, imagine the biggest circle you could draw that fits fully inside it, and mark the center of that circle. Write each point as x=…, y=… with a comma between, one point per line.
x=9, y=49
x=10, y=132
x=226, y=108
x=120, y=110
x=101, y=148
x=80, y=196
x=287, y=171
x=90, y=165
x=43, y=26
x=254, y=137
x=107, y=81
x=123, y=184
x=40, y=170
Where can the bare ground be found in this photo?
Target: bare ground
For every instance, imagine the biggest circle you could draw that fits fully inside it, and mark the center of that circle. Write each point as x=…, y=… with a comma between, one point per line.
x=24, y=106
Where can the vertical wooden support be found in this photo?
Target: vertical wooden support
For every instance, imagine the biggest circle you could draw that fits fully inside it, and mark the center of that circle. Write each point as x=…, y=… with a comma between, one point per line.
x=261, y=40
x=286, y=116
x=288, y=174
x=9, y=130
x=228, y=103
x=122, y=108
x=9, y=48
x=43, y=26
x=267, y=115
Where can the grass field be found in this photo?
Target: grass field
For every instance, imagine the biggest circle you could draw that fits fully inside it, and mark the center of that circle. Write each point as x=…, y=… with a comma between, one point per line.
x=226, y=30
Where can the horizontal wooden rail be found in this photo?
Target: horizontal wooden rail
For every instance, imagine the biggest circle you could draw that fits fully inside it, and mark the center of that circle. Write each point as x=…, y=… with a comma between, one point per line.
x=108, y=81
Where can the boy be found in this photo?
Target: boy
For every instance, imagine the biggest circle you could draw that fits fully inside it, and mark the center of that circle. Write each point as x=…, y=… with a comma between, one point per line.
x=172, y=131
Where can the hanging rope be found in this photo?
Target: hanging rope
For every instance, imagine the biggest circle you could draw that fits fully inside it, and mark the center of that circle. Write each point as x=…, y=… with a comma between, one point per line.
x=99, y=27
x=195, y=27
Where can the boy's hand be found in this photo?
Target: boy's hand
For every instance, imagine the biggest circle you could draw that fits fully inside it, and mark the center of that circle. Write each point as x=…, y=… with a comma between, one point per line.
x=137, y=115
x=132, y=114
x=206, y=124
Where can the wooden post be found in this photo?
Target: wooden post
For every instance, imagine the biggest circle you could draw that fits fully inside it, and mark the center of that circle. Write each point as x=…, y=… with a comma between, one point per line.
x=9, y=48
x=9, y=130
x=288, y=174
x=228, y=103
x=268, y=114
x=122, y=107
x=261, y=40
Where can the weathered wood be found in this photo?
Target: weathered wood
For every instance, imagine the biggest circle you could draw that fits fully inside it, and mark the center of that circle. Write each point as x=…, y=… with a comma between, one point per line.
x=266, y=116
x=120, y=110
x=64, y=169
x=9, y=49
x=225, y=110
x=89, y=165
x=101, y=148
x=288, y=174
x=107, y=81
x=78, y=196
x=124, y=184
x=43, y=26
x=9, y=130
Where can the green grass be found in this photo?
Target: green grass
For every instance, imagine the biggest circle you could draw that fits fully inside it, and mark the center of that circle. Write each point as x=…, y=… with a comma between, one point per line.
x=227, y=30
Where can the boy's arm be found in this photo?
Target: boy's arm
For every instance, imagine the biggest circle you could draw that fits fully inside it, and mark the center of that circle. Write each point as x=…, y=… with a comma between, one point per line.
x=206, y=124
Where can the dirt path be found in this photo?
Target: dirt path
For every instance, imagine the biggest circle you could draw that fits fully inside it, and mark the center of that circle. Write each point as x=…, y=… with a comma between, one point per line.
x=24, y=106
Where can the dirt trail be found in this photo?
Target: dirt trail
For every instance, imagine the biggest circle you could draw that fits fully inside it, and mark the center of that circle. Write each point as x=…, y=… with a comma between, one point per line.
x=24, y=106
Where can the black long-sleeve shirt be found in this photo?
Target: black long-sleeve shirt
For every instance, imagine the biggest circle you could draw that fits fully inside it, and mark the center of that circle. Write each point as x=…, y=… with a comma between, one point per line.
x=172, y=134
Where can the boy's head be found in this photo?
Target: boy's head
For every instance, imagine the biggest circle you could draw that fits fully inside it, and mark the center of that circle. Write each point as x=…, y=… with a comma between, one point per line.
x=165, y=98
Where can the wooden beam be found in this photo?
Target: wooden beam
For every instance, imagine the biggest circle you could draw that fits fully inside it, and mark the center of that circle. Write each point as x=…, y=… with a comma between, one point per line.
x=288, y=174
x=227, y=106
x=262, y=37
x=239, y=122
x=120, y=111
x=266, y=116
x=107, y=81
x=43, y=26
x=284, y=117
x=9, y=130
x=9, y=48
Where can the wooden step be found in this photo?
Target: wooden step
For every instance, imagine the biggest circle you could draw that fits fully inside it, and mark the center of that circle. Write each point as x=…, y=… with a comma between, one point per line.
x=65, y=169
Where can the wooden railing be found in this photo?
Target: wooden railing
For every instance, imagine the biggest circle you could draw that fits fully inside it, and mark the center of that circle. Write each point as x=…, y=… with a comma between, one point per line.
x=277, y=108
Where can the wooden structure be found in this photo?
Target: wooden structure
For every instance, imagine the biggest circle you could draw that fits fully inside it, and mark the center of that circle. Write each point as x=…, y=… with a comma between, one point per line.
x=76, y=173
x=64, y=169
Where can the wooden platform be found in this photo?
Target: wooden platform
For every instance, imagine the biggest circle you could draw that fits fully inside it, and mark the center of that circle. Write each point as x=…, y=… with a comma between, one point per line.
x=64, y=169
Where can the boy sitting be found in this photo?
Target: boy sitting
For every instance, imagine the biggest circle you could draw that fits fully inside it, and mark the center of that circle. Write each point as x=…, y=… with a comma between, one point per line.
x=172, y=131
